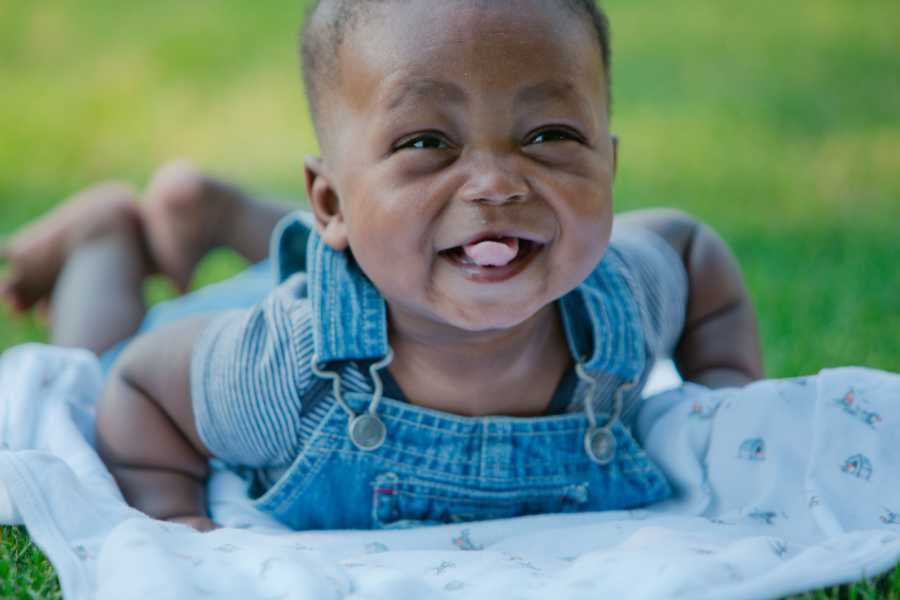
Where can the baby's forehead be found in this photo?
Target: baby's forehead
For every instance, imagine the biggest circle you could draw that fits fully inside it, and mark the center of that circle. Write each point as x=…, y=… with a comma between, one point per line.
x=368, y=26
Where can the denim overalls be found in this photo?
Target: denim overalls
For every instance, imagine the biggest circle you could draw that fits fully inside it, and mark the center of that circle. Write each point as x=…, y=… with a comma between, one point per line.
x=369, y=461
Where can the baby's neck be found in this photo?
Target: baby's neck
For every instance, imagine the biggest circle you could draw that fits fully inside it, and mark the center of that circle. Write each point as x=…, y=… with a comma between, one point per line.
x=510, y=372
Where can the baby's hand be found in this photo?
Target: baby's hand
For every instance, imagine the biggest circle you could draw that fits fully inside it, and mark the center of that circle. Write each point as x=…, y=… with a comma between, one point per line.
x=202, y=524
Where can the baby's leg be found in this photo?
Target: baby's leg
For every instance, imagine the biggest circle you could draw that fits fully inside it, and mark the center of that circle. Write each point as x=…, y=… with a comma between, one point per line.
x=97, y=298
x=187, y=213
x=37, y=253
x=93, y=252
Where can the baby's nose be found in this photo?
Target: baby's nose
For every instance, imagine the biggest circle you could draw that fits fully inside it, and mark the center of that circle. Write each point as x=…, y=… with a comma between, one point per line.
x=493, y=180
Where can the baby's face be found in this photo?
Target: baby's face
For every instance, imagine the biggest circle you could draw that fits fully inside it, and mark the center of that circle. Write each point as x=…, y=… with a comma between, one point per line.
x=460, y=122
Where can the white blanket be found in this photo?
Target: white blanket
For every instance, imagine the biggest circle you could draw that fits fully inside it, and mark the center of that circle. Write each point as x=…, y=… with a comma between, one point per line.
x=782, y=487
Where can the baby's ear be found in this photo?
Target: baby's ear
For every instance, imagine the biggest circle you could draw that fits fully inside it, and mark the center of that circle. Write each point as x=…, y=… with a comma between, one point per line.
x=325, y=204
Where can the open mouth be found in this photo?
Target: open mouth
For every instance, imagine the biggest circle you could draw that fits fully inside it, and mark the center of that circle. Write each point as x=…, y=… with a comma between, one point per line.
x=494, y=258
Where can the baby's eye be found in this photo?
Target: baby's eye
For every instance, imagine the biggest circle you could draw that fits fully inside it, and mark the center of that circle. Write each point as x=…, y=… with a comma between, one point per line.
x=422, y=141
x=553, y=135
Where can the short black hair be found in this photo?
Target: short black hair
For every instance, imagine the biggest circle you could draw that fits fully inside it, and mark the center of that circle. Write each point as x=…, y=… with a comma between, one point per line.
x=328, y=22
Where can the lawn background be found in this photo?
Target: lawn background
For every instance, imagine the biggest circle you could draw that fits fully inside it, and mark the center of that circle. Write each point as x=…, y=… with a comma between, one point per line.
x=777, y=122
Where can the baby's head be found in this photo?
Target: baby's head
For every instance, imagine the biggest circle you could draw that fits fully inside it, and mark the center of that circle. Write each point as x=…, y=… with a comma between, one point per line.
x=466, y=155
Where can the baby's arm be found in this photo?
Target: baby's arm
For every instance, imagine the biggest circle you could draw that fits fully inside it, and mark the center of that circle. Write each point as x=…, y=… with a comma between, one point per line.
x=719, y=346
x=146, y=433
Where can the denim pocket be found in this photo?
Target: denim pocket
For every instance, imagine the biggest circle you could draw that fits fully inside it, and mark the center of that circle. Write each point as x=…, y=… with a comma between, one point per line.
x=410, y=501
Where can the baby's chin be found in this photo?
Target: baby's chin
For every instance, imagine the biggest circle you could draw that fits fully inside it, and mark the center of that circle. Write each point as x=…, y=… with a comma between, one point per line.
x=494, y=317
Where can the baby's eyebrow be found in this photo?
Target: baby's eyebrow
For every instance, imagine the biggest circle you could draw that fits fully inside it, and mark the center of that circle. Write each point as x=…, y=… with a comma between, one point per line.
x=548, y=90
x=425, y=89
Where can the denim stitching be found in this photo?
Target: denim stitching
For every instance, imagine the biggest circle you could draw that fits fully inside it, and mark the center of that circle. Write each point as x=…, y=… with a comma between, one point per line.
x=550, y=428
x=405, y=467
x=406, y=451
x=493, y=501
x=379, y=482
x=286, y=491
x=280, y=487
x=410, y=486
x=464, y=434
x=577, y=494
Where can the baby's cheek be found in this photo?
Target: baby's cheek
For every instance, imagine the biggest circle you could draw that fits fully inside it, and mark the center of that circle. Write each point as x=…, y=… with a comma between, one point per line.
x=581, y=252
x=394, y=271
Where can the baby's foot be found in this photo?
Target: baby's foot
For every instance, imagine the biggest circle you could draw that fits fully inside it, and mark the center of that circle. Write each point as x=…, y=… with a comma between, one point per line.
x=185, y=214
x=35, y=255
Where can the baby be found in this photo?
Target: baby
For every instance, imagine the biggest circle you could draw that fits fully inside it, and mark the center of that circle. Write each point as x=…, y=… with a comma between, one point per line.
x=458, y=333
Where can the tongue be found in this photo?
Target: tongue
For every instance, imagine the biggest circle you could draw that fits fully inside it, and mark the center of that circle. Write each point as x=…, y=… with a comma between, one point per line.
x=493, y=253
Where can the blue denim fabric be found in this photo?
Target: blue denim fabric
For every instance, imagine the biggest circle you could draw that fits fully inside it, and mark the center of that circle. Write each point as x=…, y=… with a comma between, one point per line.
x=432, y=467
x=435, y=467
x=439, y=468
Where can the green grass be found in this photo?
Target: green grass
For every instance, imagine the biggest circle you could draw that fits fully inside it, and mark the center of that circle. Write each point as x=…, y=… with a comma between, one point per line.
x=24, y=572
x=777, y=122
